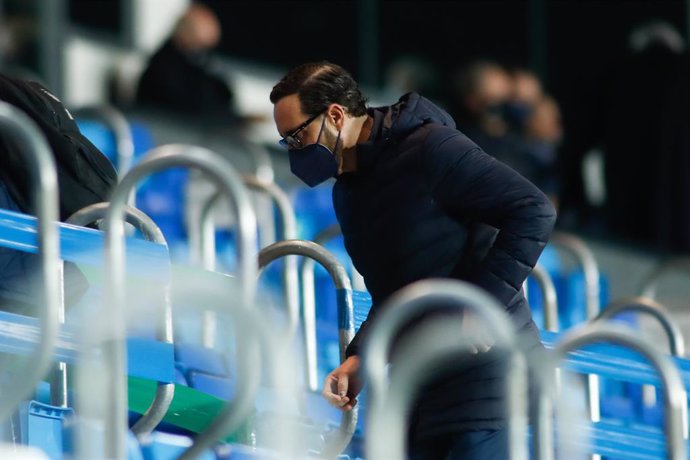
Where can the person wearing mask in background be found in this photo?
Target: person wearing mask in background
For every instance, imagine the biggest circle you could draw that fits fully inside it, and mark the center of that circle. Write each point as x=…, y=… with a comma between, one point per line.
x=178, y=76
x=510, y=117
x=416, y=199
x=480, y=90
x=535, y=118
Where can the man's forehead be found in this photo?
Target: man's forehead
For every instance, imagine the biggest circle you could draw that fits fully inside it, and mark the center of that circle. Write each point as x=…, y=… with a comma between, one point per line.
x=290, y=105
x=288, y=113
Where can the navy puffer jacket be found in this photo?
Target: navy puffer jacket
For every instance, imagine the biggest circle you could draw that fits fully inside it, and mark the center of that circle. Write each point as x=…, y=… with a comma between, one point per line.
x=427, y=202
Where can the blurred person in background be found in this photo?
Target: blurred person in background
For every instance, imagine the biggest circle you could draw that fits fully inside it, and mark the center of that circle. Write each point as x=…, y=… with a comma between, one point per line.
x=178, y=75
x=535, y=117
x=416, y=199
x=638, y=117
x=479, y=91
x=19, y=39
x=646, y=140
x=409, y=73
x=510, y=117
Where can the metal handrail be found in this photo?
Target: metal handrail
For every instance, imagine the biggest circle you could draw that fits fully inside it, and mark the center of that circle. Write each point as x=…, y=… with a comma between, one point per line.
x=400, y=308
x=674, y=392
x=549, y=298
x=164, y=332
x=159, y=158
x=260, y=155
x=581, y=252
x=676, y=341
x=649, y=285
x=584, y=256
x=650, y=307
x=346, y=326
x=256, y=337
x=36, y=152
x=263, y=170
x=289, y=232
x=309, y=307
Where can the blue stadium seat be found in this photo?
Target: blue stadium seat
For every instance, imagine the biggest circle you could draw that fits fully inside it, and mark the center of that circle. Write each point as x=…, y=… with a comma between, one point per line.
x=168, y=446
x=192, y=357
x=220, y=387
x=43, y=426
x=101, y=136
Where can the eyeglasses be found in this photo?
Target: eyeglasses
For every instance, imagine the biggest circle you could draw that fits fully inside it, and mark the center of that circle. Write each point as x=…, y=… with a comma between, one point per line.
x=290, y=141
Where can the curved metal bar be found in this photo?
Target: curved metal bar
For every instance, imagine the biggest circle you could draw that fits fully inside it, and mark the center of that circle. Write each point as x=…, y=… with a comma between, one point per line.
x=674, y=391
x=133, y=216
x=34, y=149
x=584, y=256
x=579, y=250
x=207, y=256
x=649, y=285
x=435, y=347
x=164, y=332
x=549, y=298
x=309, y=308
x=551, y=323
x=226, y=179
x=346, y=328
x=676, y=341
x=117, y=122
x=413, y=300
x=237, y=410
x=289, y=232
x=263, y=170
x=207, y=246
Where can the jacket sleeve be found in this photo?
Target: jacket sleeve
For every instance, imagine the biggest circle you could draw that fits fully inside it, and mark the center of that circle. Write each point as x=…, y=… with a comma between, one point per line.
x=471, y=186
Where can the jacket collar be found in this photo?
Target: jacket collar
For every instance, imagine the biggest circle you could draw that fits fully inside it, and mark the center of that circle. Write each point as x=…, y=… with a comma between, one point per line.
x=368, y=152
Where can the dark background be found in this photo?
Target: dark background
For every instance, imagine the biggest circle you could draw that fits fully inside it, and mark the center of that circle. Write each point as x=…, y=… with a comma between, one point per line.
x=576, y=36
x=570, y=43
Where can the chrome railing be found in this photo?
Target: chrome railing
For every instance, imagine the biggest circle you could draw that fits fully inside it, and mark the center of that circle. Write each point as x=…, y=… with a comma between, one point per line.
x=290, y=274
x=35, y=151
x=389, y=398
x=159, y=158
x=346, y=326
x=164, y=329
x=675, y=397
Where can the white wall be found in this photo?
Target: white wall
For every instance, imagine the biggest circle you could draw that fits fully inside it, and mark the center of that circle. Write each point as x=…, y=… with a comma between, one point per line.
x=154, y=20
x=89, y=62
x=87, y=65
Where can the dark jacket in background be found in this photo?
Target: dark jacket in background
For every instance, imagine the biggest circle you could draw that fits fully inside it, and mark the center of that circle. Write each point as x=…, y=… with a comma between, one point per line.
x=180, y=81
x=85, y=176
x=428, y=202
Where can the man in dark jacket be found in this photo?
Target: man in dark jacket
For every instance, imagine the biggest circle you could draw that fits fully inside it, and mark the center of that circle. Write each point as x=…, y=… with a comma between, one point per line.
x=416, y=199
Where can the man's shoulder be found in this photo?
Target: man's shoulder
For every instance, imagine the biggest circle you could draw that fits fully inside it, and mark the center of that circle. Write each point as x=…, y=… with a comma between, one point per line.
x=431, y=136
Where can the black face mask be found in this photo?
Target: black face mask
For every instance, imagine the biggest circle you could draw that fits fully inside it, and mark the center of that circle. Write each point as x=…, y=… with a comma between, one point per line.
x=495, y=110
x=314, y=163
x=517, y=113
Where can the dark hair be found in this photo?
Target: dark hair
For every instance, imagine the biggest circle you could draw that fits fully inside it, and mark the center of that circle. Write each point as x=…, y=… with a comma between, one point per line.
x=319, y=84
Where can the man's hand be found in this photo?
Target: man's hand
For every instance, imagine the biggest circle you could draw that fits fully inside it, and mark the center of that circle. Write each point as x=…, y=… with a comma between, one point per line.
x=342, y=386
x=475, y=330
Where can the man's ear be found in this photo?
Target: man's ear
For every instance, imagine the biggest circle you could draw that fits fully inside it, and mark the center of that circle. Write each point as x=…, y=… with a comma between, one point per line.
x=337, y=114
